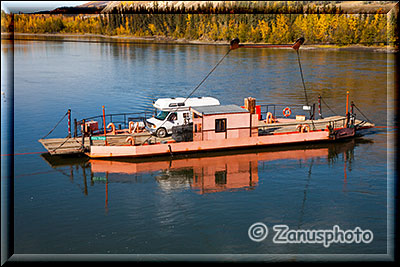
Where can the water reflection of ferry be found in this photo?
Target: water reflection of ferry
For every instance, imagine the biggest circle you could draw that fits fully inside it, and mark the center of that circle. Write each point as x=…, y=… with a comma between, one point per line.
x=205, y=173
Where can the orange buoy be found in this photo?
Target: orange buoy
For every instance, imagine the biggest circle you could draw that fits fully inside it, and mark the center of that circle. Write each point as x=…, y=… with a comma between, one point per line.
x=299, y=127
x=112, y=128
x=287, y=112
x=138, y=128
x=130, y=140
x=131, y=127
x=270, y=118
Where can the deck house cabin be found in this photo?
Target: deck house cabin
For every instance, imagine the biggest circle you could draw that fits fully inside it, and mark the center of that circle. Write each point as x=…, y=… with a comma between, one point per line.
x=223, y=122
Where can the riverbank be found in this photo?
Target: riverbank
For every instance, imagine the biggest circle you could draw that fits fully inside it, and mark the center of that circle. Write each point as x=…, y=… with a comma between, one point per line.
x=169, y=40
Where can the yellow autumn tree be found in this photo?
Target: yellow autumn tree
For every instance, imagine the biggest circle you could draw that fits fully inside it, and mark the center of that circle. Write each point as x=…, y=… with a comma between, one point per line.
x=296, y=26
x=334, y=21
x=280, y=30
x=223, y=33
x=265, y=30
x=322, y=27
x=309, y=27
x=354, y=29
x=255, y=34
x=152, y=29
x=243, y=32
x=214, y=32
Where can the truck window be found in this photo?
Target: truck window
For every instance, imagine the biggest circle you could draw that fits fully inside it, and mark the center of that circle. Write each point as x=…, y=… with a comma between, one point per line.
x=161, y=115
x=186, y=117
x=173, y=116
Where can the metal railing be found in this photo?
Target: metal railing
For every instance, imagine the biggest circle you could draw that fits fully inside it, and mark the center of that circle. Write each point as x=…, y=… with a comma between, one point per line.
x=120, y=120
x=272, y=127
x=277, y=110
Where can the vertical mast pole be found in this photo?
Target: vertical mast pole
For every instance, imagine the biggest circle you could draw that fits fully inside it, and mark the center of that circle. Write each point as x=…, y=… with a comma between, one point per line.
x=104, y=124
x=69, y=123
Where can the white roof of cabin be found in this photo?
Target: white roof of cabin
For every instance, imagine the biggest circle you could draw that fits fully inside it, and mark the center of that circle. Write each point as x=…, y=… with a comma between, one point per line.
x=174, y=103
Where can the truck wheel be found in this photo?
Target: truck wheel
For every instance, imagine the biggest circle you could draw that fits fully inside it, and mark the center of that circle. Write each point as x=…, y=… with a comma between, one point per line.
x=161, y=133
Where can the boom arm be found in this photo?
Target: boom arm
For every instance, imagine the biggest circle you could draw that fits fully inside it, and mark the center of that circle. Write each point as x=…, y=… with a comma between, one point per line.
x=235, y=44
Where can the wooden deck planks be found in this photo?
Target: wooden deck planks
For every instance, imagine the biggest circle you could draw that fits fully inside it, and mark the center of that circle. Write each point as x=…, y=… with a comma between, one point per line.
x=74, y=145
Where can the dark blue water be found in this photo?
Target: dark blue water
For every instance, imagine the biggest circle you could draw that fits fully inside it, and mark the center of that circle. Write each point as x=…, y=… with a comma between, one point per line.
x=206, y=205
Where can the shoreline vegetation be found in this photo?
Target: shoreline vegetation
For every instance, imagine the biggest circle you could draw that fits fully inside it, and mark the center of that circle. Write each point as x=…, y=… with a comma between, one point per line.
x=322, y=25
x=71, y=37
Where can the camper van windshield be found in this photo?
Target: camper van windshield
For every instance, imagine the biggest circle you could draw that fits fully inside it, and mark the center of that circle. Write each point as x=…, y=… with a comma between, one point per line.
x=161, y=115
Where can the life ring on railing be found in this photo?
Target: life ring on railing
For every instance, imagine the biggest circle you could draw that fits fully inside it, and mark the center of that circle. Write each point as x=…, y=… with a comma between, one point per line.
x=134, y=127
x=139, y=129
x=131, y=127
x=305, y=126
x=299, y=127
x=287, y=112
x=130, y=140
x=112, y=128
x=270, y=118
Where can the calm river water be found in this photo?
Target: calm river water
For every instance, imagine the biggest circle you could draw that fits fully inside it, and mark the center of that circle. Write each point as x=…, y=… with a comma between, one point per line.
x=196, y=205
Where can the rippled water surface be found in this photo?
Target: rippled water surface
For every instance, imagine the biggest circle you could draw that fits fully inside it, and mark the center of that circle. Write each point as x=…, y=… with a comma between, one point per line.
x=205, y=204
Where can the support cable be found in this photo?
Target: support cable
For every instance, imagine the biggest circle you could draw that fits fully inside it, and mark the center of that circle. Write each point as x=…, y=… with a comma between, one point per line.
x=197, y=87
x=328, y=106
x=55, y=126
x=362, y=114
x=304, y=86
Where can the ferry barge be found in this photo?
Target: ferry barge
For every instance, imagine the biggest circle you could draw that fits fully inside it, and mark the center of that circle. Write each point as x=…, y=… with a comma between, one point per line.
x=204, y=127
x=215, y=127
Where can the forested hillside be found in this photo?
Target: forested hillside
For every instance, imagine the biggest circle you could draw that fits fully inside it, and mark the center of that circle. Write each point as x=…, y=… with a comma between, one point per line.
x=267, y=23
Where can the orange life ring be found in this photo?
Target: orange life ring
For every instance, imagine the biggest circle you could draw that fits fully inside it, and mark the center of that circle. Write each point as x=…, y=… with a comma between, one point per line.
x=138, y=128
x=112, y=128
x=130, y=140
x=131, y=127
x=305, y=126
x=299, y=127
x=270, y=118
x=287, y=112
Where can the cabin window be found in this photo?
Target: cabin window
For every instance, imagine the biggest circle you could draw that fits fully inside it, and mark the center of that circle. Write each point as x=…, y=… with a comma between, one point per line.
x=197, y=128
x=220, y=125
x=177, y=104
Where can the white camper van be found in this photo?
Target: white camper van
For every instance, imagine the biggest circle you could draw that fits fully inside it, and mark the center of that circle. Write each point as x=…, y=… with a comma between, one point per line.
x=173, y=112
